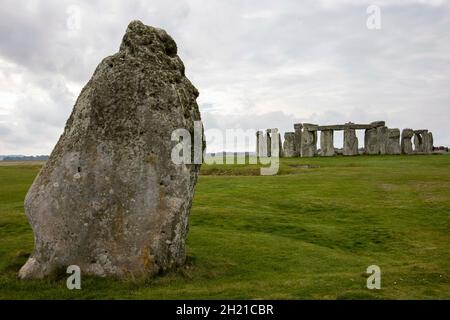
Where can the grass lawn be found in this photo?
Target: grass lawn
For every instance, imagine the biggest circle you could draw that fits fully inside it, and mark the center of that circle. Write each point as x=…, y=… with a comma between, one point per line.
x=307, y=233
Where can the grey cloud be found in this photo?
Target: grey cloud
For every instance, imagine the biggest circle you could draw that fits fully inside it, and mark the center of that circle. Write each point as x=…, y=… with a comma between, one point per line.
x=256, y=66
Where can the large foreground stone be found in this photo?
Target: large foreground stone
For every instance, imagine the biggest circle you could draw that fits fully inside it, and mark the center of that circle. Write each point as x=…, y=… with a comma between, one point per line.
x=110, y=199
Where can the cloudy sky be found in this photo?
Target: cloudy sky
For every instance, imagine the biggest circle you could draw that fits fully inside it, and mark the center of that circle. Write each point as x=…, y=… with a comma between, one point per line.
x=256, y=63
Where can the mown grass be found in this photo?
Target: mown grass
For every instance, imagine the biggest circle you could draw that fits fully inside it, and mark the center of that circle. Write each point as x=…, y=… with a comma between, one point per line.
x=308, y=233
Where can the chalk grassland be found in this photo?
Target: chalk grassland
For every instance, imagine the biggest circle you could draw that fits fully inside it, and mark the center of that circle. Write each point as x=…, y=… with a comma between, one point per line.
x=307, y=233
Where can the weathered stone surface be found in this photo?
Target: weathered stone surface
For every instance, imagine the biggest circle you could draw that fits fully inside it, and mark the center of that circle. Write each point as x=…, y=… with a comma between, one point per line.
x=289, y=145
x=350, y=143
x=371, y=141
x=428, y=142
x=383, y=137
x=258, y=143
x=298, y=139
x=327, y=143
x=110, y=199
x=262, y=144
x=418, y=142
x=406, y=143
x=268, y=140
x=393, y=145
x=309, y=142
x=280, y=145
x=376, y=139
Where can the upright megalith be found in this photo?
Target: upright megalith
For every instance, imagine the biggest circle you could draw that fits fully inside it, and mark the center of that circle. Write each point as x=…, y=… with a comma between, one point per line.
x=406, y=144
x=393, y=144
x=298, y=139
x=327, y=143
x=383, y=137
x=419, y=140
x=110, y=199
x=289, y=145
x=428, y=142
x=375, y=139
x=268, y=140
x=309, y=140
x=259, y=137
x=350, y=142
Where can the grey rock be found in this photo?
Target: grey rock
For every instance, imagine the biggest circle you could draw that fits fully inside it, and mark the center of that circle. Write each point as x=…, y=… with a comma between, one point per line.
x=327, y=143
x=406, y=144
x=428, y=142
x=309, y=142
x=298, y=139
x=350, y=143
x=268, y=140
x=371, y=141
x=383, y=137
x=289, y=145
x=110, y=199
x=393, y=145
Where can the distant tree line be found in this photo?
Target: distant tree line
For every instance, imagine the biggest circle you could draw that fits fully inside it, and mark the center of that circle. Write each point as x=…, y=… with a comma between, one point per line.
x=25, y=158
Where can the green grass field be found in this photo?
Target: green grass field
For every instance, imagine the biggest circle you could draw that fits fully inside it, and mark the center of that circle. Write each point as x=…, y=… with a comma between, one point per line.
x=307, y=233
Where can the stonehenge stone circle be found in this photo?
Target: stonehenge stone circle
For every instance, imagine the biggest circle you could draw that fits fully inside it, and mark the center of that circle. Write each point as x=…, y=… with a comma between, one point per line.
x=378, y=139
x=393, y=145
x=110, y=200
x=406, y=144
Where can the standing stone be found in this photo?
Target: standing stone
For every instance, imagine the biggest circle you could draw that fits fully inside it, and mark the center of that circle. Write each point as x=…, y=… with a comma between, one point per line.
x=309, y=140
x=262, y=144
x=428, y=142
x=375, y=139
x=110, y=200
x=298, y=139
x=393, y=145
x=383, y=137
x=418, y=142
x=406, y=144
x=371, y=141
x=289, y=145
x=280, y=145
x=350, y=142
x=269, y=143
x=327, y=143
x=258, y=142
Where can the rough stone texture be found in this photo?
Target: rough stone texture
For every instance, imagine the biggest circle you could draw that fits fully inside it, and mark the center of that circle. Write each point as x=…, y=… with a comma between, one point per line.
x=406, y=143
x=350, y=143
x=268, y=140
x=289, y=145
x=309, y=141
x=371, y=141
x=418, y=142
x=280, y=145
x=327, y=143
x=428, y=142
x=258, y=142
x=393, y=145
x=110, y=199
x=376, y=138
x=383, y=137
x=298, y=139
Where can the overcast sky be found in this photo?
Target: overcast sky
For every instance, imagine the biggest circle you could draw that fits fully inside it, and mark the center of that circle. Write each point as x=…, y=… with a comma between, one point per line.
x=256, y=63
